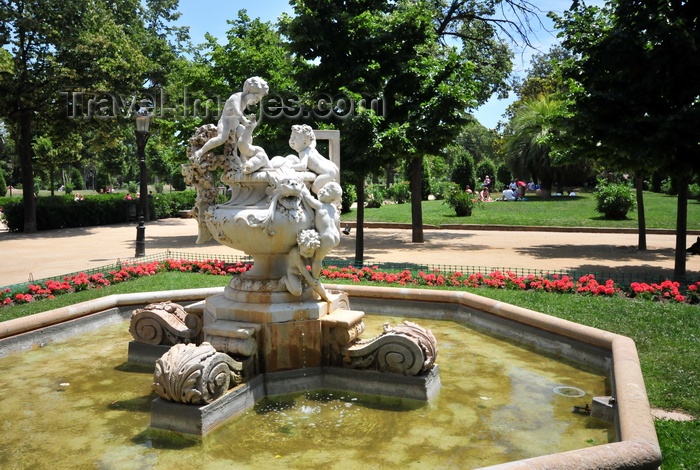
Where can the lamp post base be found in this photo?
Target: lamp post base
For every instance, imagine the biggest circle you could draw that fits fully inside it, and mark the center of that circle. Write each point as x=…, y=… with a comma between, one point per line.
x=140, y=239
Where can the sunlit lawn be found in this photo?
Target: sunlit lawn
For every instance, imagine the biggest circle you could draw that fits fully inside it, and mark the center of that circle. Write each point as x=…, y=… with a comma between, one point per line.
x=561, y=211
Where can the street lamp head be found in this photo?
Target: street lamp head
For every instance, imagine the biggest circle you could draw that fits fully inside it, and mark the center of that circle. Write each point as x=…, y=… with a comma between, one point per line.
x=143, y=118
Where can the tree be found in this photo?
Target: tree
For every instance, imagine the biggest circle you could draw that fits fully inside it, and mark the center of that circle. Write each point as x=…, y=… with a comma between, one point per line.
x=478, y=140
x=255, y=48
x=528, y=147
x=352, y=50
x=429, y=98
x=32, y=32
x=3, y=183
x=65, y=45
x=399, y=51
x=632, y=88
x=509, y=19
x=544, y=77
x=463, y=169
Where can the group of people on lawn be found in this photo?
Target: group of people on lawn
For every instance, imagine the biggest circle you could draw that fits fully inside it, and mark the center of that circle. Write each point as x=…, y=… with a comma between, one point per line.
x=515, y=191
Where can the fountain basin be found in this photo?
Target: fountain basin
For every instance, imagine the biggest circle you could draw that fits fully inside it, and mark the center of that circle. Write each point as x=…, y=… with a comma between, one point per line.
x=637, y=445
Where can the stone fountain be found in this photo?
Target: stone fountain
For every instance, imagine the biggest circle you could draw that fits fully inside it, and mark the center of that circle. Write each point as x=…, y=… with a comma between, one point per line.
x=275, y=329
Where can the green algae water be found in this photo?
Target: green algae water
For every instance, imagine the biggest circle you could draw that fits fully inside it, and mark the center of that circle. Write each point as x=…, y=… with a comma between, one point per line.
x=78, y=404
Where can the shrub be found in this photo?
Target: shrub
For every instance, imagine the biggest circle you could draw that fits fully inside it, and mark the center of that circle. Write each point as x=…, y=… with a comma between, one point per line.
x=694, y=191
x=132, y=187
x=170, y=204
x=103, y=180
x=463, y=172
x=102, y=209
x=486, y=167
x=503, y=176
x=3, y=184
x=399, y=192
x=425, y=189
x=177, y=180
x=76, y=180
x=374, y=196
x=461, y=201
x=349, y=197
x=440, y=189
x=614, y=200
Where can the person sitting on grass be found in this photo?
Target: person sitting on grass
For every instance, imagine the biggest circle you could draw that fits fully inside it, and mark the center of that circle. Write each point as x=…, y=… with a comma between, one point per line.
x=484, y=195
x=509, y=195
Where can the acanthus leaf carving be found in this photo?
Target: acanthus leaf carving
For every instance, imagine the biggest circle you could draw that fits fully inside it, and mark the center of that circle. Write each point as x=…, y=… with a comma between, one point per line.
x=164, y=323
x=195, y=375
x=408, y=349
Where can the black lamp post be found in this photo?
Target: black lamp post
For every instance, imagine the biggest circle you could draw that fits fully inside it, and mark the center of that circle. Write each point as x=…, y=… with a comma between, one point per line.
x=143, y=122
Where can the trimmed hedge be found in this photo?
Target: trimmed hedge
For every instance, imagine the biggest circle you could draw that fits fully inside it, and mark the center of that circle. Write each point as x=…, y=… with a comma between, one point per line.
x=101, y=209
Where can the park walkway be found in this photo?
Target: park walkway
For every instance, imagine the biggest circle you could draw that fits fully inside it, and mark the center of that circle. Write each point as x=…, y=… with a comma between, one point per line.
x=57, y=252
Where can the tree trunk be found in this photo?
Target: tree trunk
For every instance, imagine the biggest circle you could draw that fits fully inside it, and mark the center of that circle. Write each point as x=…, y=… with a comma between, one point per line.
x=389, y=175
x=681, y=229
x=641, y=217
x=416, y=199
x=359, y=229
x=52, y=179
x=546, y=188
x=24, y=146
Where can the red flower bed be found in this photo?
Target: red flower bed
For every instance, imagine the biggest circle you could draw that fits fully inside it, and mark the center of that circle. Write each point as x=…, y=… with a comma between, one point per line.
x=666, y=291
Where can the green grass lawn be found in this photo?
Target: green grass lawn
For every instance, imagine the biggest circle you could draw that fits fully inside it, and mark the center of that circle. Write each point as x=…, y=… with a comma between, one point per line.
x=561, y=211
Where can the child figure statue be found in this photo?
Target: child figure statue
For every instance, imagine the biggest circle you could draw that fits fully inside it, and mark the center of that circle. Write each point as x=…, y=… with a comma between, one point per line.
x=233, y=118
x=326, y=221
x=308, y=244
x=303, y=141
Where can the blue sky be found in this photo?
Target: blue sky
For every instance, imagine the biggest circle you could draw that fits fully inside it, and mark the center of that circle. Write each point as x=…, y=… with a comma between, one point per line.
x=210, y=17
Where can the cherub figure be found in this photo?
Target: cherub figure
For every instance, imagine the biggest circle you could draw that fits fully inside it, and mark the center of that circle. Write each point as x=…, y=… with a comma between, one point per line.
x=303, y=141
x=233, y=118
x=326, y=221
x=252, y=156
x=308, y=242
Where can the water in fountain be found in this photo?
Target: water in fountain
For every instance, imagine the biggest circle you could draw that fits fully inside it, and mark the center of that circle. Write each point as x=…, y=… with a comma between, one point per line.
x=65, y=408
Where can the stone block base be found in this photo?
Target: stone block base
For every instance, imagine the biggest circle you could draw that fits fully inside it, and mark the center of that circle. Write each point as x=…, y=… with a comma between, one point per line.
x=146, y=354
x=200, y=420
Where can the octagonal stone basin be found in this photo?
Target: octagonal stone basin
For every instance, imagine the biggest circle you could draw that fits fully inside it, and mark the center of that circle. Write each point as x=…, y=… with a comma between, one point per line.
x=630, y=443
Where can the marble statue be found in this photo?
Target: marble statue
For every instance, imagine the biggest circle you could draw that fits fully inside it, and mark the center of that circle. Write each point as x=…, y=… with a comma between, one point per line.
x=274, y=326
x=273, y=200
x=232, y=118
x=326, y=221
x=203, y=374
x=303, y=141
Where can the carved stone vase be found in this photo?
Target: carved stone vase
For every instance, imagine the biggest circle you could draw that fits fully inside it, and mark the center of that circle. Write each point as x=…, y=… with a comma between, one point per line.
x=262, y=218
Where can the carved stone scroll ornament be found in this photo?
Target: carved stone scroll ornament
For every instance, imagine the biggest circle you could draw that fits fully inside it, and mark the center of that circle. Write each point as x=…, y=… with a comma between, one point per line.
x=164, y=323
x=196, y=375
x=407, y=349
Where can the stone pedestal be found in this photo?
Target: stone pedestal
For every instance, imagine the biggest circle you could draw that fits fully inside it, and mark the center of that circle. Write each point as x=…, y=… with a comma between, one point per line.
x=282, y=336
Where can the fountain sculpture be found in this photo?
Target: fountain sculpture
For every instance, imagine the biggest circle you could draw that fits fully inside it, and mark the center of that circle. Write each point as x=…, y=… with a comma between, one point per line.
x=275, y=329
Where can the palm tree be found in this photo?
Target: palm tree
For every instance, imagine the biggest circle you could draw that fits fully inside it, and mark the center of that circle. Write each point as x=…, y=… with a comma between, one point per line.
x=529, y=147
